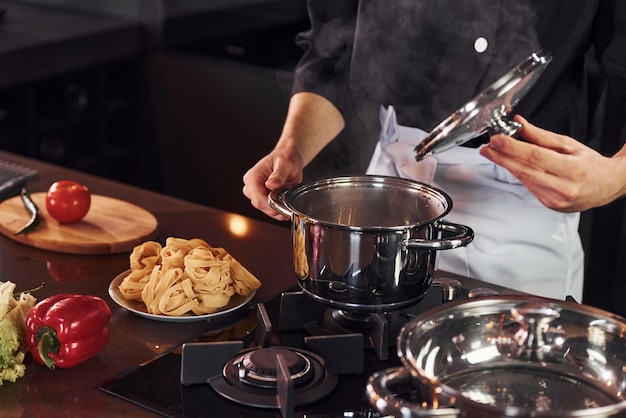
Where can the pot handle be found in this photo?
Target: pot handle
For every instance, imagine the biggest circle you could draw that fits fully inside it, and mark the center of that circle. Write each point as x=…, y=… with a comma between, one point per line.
x=463, y=235
x=275, y=198
x=382, y=398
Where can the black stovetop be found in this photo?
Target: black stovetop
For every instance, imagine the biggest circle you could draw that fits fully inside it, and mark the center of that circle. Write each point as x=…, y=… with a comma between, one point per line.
x=156, y=385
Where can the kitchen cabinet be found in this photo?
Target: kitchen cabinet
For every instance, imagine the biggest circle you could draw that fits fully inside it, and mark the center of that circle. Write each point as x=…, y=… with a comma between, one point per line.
x=68, y=88
x=72, y=74
x=84, y=119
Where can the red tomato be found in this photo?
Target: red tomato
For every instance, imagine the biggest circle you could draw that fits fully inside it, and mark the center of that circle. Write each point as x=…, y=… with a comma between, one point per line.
x=67, y=201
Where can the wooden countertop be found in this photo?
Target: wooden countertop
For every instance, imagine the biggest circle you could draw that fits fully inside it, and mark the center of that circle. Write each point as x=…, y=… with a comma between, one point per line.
x=263, y=247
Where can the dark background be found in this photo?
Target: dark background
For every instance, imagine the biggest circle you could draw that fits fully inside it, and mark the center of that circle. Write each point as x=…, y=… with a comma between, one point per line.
x=183, y=96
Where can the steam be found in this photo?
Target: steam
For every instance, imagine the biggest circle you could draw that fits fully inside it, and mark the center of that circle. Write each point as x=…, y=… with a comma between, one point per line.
x=419, y=56
x=433, y=71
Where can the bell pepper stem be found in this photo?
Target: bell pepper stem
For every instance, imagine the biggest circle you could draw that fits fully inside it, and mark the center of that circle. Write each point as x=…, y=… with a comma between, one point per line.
x=47, y=343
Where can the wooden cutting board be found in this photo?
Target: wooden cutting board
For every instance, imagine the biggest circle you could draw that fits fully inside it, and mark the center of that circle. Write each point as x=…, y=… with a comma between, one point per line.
x=111, y=226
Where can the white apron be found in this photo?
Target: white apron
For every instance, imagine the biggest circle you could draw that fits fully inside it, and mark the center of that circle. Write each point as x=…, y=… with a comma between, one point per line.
x=519, y=243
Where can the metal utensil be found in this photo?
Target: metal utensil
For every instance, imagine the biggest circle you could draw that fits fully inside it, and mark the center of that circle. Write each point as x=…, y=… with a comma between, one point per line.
x=487, y=112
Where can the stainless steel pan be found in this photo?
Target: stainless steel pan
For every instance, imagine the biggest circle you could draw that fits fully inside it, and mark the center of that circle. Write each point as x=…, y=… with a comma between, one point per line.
x=507, y=356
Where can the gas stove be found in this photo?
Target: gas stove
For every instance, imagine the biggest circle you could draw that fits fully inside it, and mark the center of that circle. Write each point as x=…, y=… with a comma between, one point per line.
x=289, y=357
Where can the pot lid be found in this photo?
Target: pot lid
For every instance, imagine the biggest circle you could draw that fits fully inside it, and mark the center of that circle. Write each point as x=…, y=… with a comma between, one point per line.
x=487, y=112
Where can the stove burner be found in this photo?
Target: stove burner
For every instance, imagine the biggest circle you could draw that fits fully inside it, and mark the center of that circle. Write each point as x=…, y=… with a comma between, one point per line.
x=348, y=319
x=335, y=389
x=253, y=379
x=258, y=367
x=340, y=321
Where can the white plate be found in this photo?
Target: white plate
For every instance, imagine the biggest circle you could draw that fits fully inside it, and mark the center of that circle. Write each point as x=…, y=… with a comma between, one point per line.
x=139, y=308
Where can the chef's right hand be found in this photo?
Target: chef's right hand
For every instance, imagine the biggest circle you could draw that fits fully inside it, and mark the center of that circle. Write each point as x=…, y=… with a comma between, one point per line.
x=279, y=169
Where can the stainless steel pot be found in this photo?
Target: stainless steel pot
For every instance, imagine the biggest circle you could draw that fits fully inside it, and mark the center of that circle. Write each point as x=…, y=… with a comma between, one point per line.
x=507, y=356
x=367, y=243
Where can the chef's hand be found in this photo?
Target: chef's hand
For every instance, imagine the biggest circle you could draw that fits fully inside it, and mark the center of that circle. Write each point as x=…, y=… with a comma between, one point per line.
x=564, y=174
x=279, y=169
x=312, y=122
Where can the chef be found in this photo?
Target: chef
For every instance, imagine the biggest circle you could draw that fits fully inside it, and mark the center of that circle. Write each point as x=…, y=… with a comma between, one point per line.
x=422, y=60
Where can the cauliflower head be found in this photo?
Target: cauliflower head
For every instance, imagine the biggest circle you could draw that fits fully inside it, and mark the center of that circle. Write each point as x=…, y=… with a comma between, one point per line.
x=13, y=314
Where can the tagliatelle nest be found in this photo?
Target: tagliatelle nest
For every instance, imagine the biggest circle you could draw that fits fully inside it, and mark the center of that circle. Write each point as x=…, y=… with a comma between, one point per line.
x=185, y=276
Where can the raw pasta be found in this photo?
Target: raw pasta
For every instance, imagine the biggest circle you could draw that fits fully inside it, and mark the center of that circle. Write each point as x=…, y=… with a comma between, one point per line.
x=185, y=276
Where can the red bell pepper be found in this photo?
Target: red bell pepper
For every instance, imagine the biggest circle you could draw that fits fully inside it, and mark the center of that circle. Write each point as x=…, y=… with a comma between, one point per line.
x=64, y=330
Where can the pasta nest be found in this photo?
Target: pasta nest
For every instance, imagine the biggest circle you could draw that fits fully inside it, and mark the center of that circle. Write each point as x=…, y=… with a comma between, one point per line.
x=185, y=276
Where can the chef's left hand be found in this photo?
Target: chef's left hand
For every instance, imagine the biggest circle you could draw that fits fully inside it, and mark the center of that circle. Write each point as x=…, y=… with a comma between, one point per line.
x=564, y=174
